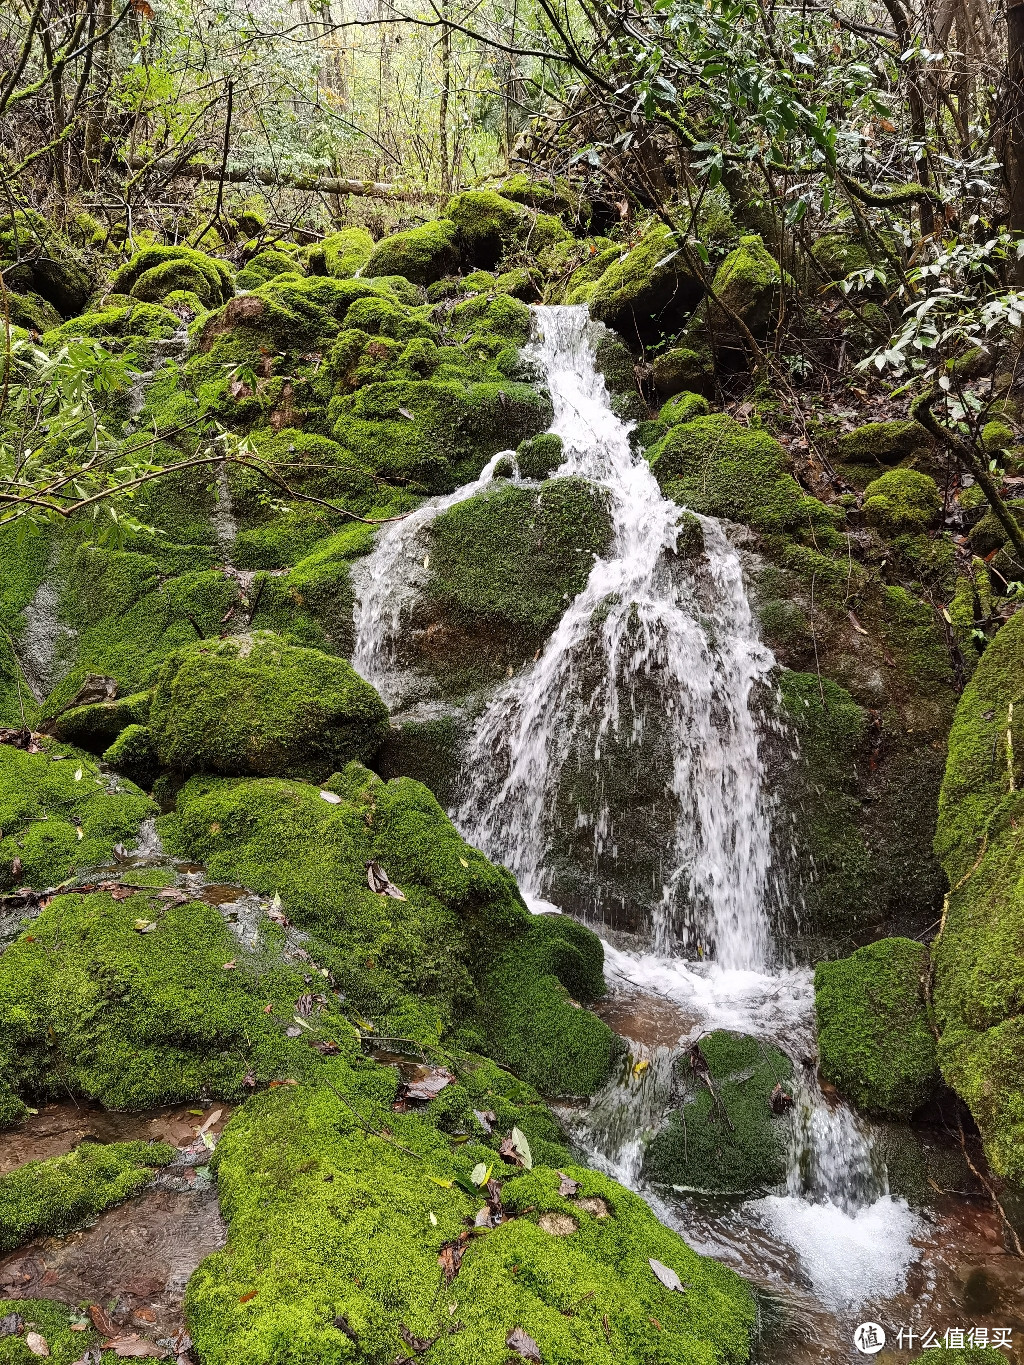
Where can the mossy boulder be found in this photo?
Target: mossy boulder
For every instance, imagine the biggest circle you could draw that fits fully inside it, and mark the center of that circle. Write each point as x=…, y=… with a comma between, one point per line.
x=117, y=325
x=96, y=726
x=736, y=1142
x=875, y=1040
x=52, y=1197
x=978, y=977
x=650, y=291
x=254, y=704
x=156, y=271
x=504, y=565
x=683, y=368
x=717, y=466
x=144, y=1000
x=40, y=263
x=337, y=1243
x=60, y=813
x=749, y=285
x=490, y=227
x=422, y=254
x=263, y=266
x=341, y=254
x=903, y=502
x=882, y=443
x=540, y=456
x=838, y=254
x=447, y=957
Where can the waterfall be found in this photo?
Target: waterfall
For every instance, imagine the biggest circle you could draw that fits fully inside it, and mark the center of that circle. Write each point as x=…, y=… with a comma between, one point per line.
x=646, y=623
x=660, y=642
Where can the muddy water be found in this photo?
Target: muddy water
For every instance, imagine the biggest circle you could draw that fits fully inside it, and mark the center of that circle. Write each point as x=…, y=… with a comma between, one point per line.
x=960, y=1275
x=134, y=1260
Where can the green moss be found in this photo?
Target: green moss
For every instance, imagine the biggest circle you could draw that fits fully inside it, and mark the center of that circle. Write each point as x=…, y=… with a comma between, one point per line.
x=650, y=289
x=838, y=255
x=52, y=1321
x=489, y=225
x=134, y=754
x=747, y=1150
x=885, y=443
x=719, y=467
x=341, y=254
x=91, y=1006
x=422, y=254
x=446, y=943
x=287, y=314
x=96, y=726
x=540, y=456
x=513, y=558
x=525, y=283
x=876, y=1044
x=39, y=261
x=155, y=271
x=527, y=1012
x=32, y=312
x=902, y=502
x=55, y=822
x=358, y=1223
x=265, y=265
x=454, y=427
x=253, y=704
x=749, y=285
x=979, y=984
x=683, y=367
x=54, y=1196
x=121, y=323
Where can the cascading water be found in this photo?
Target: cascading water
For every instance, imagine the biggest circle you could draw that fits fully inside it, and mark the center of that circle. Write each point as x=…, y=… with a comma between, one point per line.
x=660, y=643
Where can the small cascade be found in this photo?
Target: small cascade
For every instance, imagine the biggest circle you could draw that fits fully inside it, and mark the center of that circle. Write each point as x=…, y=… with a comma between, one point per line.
x=657, y=664
x=225, y=527
x=46, y=643
x=388, y=582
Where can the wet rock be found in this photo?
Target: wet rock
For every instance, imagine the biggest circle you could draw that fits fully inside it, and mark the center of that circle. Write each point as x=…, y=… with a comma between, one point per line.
x=725, y=1135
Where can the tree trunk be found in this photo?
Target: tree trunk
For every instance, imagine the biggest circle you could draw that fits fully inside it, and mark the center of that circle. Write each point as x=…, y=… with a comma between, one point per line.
x=1013, y=123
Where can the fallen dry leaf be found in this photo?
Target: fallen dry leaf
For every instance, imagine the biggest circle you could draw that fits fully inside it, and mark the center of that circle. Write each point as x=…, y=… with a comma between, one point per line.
x=430, y=1085
x=332, y=798
x=523, y=1345
x=37, y=1344
x=134, y=1347
x=229, y=966
x=667, y=1276
x=567, y=1187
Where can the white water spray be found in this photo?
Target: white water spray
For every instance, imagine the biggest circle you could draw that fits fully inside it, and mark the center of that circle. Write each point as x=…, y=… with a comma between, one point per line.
x=651, y=640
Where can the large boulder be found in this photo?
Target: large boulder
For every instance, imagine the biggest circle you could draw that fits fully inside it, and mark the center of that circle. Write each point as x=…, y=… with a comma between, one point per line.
x=902, y=502
x=649, y=291
x=422, y=254
x=40, y=264
x=256, y=705
x=876, y=1045
x=749, y=286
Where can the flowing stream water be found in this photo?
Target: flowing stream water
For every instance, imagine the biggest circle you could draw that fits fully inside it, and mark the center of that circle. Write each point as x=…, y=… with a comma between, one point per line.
x=661, y=648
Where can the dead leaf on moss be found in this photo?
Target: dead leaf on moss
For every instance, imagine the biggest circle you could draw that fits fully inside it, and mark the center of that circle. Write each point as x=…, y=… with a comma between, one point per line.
x=379, y=881
x=101, y=1321
x=567, y=1187
x=134, y=1347
x=428, y=1086
x=667, y=1276
x=523, y=1345
x=37, y=1344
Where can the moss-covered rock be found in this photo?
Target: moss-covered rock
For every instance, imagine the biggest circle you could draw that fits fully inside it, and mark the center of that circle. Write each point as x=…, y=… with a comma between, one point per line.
x=130, y=1002
x=837, y=254
x=96, y=726
x=52, y=1321
x=681, y=368
x=450, y=952
x=738, y=1143
x=263, y=266
x=882, y=443
x=875, y=1040
x=254, y=704
x=338, y=1240
x=54, y=1196
x=902, y=502
x=717, y=466
x=649, y=291
x=156, y=271
x=978, y=982
x=341, y=254
x=749, y=285
x=119, y=324
x=59, y=813
x=503, y=566
x=40, y=263
x=540, y=456
x=422, y=254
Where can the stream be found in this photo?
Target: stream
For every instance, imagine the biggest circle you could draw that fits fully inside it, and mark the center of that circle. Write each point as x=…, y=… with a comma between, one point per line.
x=655, y=678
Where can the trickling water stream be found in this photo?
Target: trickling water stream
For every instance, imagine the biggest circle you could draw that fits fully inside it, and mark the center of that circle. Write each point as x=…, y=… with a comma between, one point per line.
x=662, y=644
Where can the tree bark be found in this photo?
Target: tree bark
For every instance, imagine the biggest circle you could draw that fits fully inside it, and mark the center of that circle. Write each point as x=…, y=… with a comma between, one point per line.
x=1013, y=125
x=198, y=170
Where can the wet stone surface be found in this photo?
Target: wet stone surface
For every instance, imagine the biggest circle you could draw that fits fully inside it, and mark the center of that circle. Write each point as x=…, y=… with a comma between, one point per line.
x=135, y=1259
